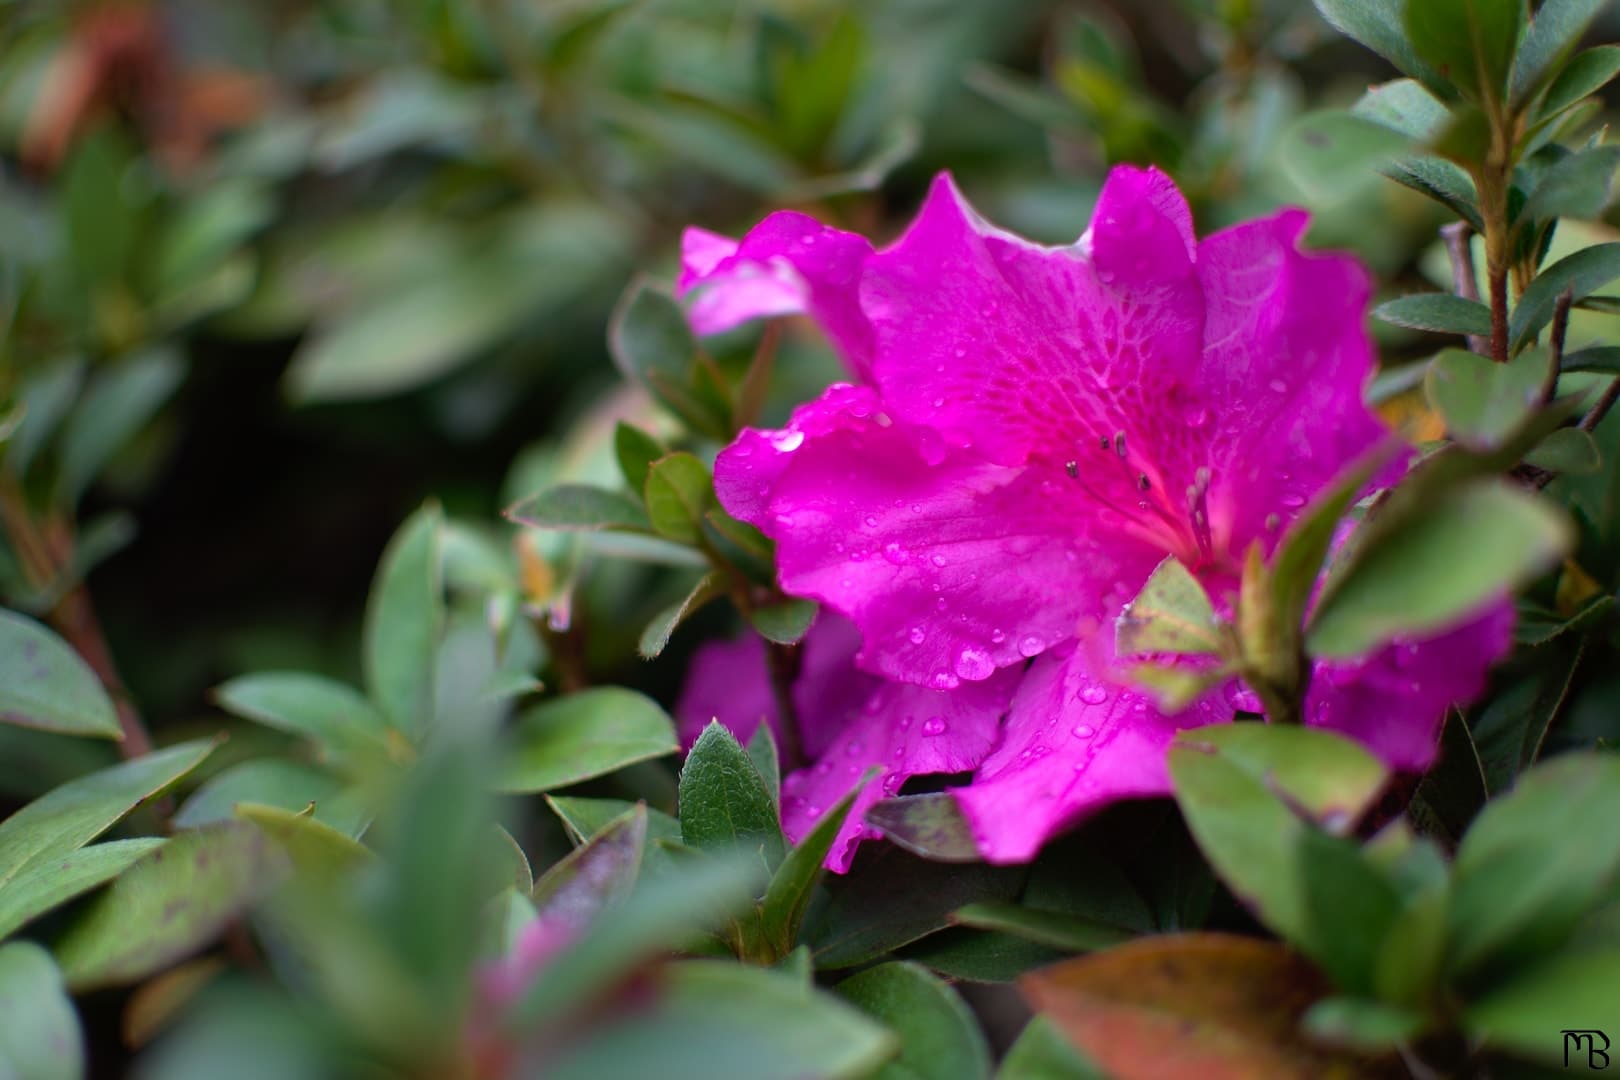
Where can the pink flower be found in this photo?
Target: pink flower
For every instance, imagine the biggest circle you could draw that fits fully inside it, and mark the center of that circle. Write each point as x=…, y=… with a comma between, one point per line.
x=849, y=720
x=1038, y=428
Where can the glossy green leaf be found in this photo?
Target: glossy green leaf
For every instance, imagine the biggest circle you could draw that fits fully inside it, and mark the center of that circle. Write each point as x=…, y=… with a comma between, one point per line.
x=1440, y=313
x=1041, y=1052
x=79, y=811
x=1579, y=186
x=635, y=451
x=767, y=759
x=1332, y=154
x=172, y=902
x=725, y=803
x=653, y=345
x=581, y=735
x=1470, y=42
x=679, y=492
x=1568, y=450
x=584, y=818
x=1554, y=31
x=788, y=895
x=580, y=507
x=1172, y=614
x=49, y=884
x=1521, y=883
x=939, y=1037
x=119, y=401
x=1582, y=273
x=655, y=636
x=404, y=619
x=333, y=715
x=39, y=1031
x=1476, y=542
x=714, y=1019
x=279, y=782
x=312, y=846
x=1058, y=929
x=44, y=684
x=1377, y=25
x=785, y=622
x=1484, y=402
x=1585, y=75
x=931, y=825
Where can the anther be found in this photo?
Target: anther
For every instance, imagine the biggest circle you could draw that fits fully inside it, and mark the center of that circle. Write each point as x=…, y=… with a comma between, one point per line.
x=1107, y=443
x=1143, y=483
x=1073, y=469
x=1119, y=444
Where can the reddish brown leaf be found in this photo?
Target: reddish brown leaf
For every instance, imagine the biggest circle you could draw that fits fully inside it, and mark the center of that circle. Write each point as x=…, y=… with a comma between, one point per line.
x=1214, y=1006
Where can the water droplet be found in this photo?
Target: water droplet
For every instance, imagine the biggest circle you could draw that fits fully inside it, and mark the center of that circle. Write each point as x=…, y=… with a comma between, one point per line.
x=998, y=636
x=939, y=403
x=854, y=748
x=944, y=680
x=787, y=441
x=917, y=635
x=974, y=664
x=1278, y=386
x=1030, y=645
x=1084, y=731
x=937, y=560
x=1292, y=500
x=961, y=353
x=934, y=725
x=1094, y=695
x=1195, y=416
x=871, y=521
x=894, y=553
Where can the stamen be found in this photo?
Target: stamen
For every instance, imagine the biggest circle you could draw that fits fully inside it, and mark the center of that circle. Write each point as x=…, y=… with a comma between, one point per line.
x=1073, y=469
x=1143, y=483
x=1119, y=444
x=1107, y=443
x=1198, y=503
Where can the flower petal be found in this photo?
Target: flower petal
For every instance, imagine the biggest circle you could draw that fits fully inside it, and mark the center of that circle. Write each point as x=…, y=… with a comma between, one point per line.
x=1394, y=701
x=951, y=567
x=788, y=264
x=1073, y=743
x=1020, y=350
x=907, y=731
x=1286, y=361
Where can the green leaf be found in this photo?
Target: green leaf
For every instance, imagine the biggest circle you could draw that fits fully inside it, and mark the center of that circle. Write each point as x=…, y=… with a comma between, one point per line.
x=787, y=897
x=1043, y=1053
x=1575, y=990
x=1256, y=798
x=1470, y=42
x=1441, y=180
x=102, y=218
x=724, y=801
x=1484, y=402
x=44, y=684
x=635, y=451
x=1060, y=930
x=1522, y=881
x=278, y=782
x=1554, y=31
x=1377, y=25
x=1440, y=313
x=1583, y=273
x=713, y=1018
x=1584, y=76
x=1362, y=1024
x=784, y=623
x=1579, y=186
x=931, y=825
x=586, y=734
x=79, y=811
x=404, y=619
x=939, y=1037
x=117, y=404
x=332, y=715
x=1172, y=614
x=694, y=895
x=655, y=637
x=166, y=906
x=679, y=492
x=599, y=873
x=49, y=884
x=312, y=846
x=1476, y=542
x=39, y=1031
x=1332, y=154
x=571, y=507
x=1567, y=450
x=762, y=751
x=1174, y=686
x=653, y=346
x=979, y=955
x=45, y=397
x=584, y=818
x=1403, y=105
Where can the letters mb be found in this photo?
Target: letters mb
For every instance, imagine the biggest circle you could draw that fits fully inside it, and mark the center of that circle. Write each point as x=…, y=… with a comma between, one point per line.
x=1594, y=1043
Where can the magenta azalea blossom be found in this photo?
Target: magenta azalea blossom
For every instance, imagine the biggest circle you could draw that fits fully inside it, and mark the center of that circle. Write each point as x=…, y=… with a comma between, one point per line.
x=849, y=721
x=1036, y=430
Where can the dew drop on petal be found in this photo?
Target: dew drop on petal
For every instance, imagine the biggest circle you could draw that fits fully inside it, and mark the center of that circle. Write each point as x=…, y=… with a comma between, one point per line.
x=934, y=725
x=974, y=664
x=917, y=635
x=998, y=636
x=944, y=680
x=1278, y=386
x=787, y=441
x=1084, y=731
x=1030, y=645
x=937, y=560
x=1292, y=500
x=1094, y=695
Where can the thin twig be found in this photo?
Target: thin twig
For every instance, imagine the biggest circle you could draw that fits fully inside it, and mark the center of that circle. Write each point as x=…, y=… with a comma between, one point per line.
x=1560, y=330
x=1458, y=237
x=1592, y=419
